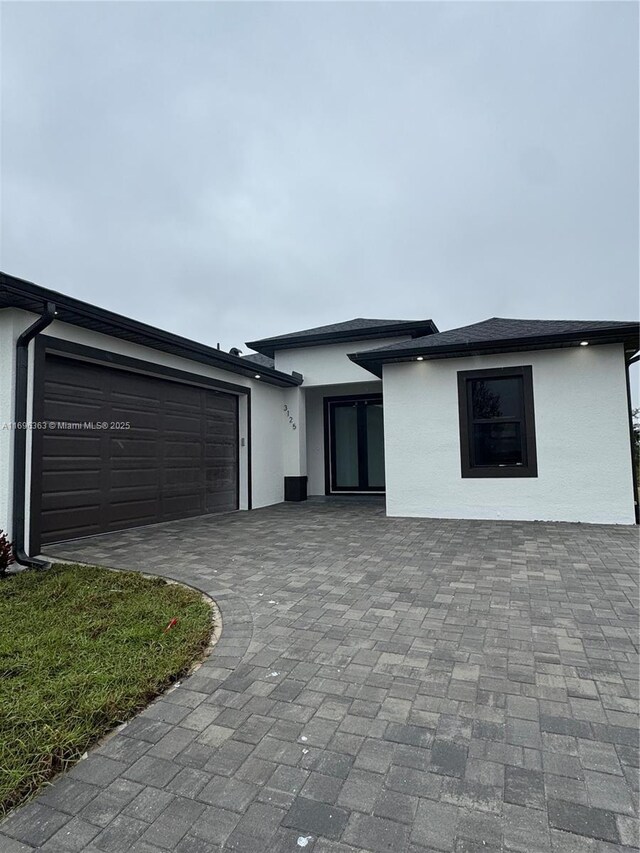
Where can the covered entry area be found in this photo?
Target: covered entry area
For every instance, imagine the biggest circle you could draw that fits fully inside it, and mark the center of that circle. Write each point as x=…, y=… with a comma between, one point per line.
x=343, y=438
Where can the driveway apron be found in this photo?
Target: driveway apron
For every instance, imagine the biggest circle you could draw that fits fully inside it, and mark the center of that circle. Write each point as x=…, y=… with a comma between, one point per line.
x=381, y=684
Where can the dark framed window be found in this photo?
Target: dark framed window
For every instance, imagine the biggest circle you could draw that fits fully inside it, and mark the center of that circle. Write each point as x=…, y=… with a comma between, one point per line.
x=497, y=423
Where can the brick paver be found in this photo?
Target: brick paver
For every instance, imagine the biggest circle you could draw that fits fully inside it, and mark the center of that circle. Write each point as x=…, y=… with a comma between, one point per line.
x=382, y=685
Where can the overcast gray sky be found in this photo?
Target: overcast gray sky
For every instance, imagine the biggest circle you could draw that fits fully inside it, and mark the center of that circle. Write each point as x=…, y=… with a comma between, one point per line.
x=230, y=171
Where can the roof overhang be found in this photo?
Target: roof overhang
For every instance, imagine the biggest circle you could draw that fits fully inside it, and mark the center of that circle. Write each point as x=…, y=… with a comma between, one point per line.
x=373, y=360
x=18, y=293
x=268, y=346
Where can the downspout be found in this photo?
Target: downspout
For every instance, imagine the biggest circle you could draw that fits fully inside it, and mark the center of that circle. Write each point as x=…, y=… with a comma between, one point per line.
x=634, y=470
x=20, y=436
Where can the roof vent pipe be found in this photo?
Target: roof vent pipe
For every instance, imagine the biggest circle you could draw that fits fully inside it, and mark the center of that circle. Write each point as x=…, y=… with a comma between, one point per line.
x=20, y=435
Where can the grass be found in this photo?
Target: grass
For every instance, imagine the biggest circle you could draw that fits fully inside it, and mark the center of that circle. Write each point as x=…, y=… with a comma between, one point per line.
x=81, y=650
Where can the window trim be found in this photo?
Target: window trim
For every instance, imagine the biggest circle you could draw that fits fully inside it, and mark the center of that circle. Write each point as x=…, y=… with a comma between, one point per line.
x=530, y=469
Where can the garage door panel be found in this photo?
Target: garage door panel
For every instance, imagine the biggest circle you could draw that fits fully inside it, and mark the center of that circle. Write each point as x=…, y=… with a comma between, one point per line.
x=70, y=479
x=138, y=418
x=126, y=446
x=69, y=390
x=218, y=502
x=74, y=410
x=220, y=438
x=181, y=506
x=217, y=401
x=135, y=387
x=178, y=459
x=182, y=475
x=182, y=423
x=74, y=444
x=64, y=524
x=175, y=451
x=133, y=511
x=134, y=491
x=135, y=478
x=220, y=453
x=71, y=499
x=219, y=474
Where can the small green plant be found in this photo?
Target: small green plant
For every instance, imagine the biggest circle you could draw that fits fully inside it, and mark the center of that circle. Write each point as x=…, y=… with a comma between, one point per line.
x=6, y=553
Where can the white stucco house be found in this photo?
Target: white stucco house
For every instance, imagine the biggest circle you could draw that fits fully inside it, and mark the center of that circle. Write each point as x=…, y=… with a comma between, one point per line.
x=109, y=423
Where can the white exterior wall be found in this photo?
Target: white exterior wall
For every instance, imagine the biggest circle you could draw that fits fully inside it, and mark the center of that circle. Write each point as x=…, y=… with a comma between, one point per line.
x=582, y=438
x=266, y=409
x=267, y=430
x=10, y=327
x=329, y=365
x=293, y=418
x=315, y=426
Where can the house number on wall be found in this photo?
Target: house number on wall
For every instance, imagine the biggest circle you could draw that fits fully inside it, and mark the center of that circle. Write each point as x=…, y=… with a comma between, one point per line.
x=287, y=413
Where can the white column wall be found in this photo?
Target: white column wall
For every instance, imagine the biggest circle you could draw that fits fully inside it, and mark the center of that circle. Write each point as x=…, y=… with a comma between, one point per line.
x=294, y=433
x=266, y=445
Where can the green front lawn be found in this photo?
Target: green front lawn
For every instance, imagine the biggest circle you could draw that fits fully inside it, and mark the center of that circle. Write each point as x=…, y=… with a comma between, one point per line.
x=81, y=650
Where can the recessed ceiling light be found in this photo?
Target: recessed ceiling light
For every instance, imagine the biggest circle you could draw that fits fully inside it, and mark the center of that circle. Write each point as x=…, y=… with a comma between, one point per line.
x=584, y=343
x=257, y=376
x=419, y=358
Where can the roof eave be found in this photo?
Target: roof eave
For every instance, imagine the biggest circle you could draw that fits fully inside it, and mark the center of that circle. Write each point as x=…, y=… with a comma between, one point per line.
x=28, y=296
x=268, y=346
x=373, y=360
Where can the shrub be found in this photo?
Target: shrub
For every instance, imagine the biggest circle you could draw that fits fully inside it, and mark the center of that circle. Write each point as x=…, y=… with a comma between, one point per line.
x=6, y=553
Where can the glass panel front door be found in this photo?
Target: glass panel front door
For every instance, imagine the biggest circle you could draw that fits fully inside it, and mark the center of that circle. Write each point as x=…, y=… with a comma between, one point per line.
x=375, y=446
x=346, y=447
x=356, y=445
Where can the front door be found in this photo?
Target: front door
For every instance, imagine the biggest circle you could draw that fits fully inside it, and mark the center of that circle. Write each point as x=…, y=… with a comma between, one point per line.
x=355, y=453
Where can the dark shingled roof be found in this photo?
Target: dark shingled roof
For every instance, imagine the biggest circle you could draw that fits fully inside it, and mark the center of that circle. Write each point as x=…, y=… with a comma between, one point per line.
x=360, y=328
x=258, y=358
x=18, y=293
x=500, y=334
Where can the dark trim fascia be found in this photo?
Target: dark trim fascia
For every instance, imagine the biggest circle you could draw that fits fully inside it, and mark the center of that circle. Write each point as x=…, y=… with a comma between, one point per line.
x=249, y=469
x=239, y=428
x=18, y=293
x=468, y=471
x=47, y=344
x=373, y=360
x=634, y=470
x=326, y=446
x=268, y=346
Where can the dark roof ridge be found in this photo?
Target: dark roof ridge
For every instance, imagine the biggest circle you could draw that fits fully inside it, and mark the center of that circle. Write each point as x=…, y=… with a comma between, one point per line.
x=359, y=328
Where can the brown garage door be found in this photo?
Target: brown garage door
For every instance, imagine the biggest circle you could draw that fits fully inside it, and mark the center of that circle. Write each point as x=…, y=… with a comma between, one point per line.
x=179, y=458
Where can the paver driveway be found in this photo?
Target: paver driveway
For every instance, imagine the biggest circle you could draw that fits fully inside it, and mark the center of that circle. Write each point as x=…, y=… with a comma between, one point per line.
x=381, y=685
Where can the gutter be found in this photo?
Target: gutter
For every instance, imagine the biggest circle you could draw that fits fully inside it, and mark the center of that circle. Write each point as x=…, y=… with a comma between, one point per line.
x=20, y=437
x=26, y=295
x=634, y=470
